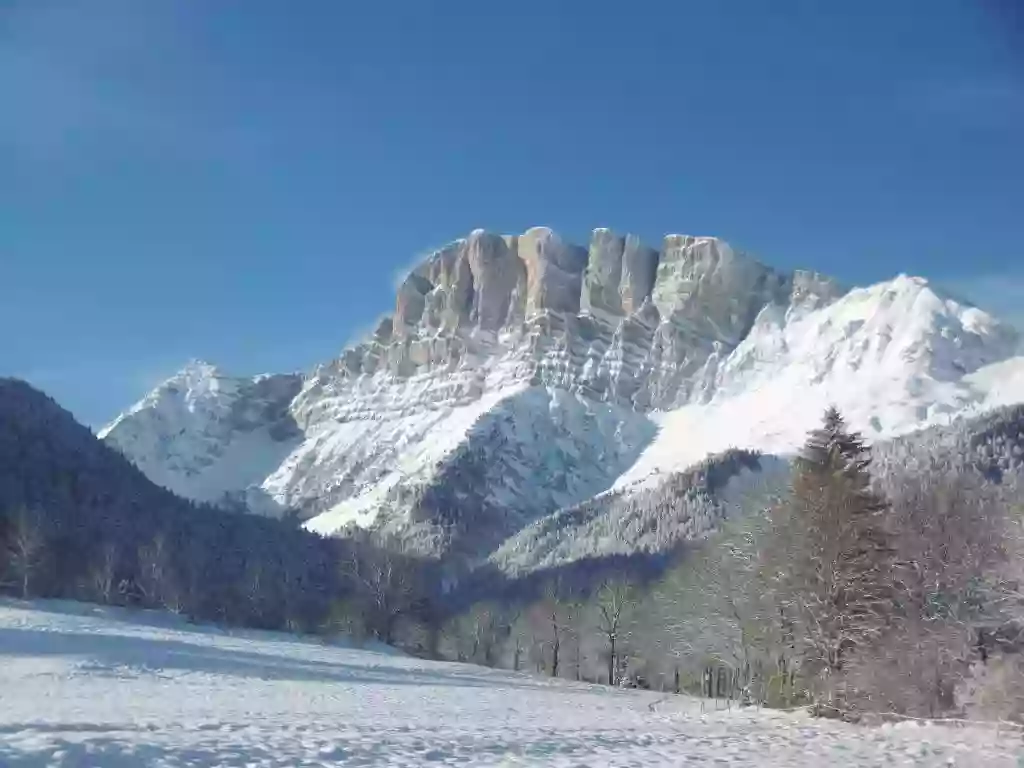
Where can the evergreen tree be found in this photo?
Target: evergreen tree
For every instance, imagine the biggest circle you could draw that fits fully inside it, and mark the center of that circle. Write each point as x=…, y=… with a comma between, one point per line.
x=836, y=581
x=833, y=437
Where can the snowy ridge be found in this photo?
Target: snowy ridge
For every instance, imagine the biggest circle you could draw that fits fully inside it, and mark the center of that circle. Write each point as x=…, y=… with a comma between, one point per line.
x=205, y=435
x=894, y=358
x=522, y=374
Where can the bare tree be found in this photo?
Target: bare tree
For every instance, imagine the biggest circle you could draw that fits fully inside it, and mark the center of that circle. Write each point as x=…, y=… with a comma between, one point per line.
x=717, y=608
x=551, y=621
x=458, y=639
x=103, y=574
x=575, y=620
x=914, y=670
x=386, y=582
x=520, y=638
x=290, y=589
x=490, y=628
x=254, y=589
x=955, y=542
x=195, y=591
x=347, y=618
x=26, y=547
x=156, y=575
x=615, y=600
x=477, y=635
x=995, y=689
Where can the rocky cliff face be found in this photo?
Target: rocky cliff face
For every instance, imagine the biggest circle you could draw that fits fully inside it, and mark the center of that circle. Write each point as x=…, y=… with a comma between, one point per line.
x=619, y=322
x=520, y=375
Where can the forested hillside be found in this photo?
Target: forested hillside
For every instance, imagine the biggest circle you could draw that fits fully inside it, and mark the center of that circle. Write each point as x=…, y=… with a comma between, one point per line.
x=991, y=444
x=655, y=520
x=79, y=520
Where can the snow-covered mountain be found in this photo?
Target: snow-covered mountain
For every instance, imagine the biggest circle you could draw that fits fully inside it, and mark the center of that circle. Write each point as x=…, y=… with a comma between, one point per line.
x=205, y=435
x=684, y=505
x=522, y=375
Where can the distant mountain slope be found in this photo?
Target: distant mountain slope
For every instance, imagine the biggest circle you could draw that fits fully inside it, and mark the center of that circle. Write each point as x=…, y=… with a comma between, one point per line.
x=522, y=374
x=205, y=435
x=685, y=506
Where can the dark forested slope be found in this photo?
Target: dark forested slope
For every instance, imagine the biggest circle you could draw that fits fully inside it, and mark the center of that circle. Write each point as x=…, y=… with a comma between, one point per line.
x=77, y=519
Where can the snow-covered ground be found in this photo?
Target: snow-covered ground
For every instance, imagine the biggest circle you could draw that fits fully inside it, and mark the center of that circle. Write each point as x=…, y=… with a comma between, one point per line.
x=81, y=686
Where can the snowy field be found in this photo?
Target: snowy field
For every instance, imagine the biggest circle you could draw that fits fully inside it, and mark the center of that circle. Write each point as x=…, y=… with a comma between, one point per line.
x=81, y=686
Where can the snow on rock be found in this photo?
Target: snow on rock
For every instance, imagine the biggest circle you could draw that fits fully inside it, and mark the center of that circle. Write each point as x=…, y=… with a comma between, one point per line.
x=85, y=686
x=203, y=434
x=1002, y=383
x=894, y=358
x=626, y=362
x=500, y=463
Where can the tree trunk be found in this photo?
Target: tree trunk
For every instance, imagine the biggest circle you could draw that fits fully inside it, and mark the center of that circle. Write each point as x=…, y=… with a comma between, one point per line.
x=611, y=661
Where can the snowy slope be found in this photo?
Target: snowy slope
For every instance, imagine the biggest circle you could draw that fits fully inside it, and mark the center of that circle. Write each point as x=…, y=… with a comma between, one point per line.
x=490, y=468
x=203, y=434
x=83, y=687
x=522, y=374
x=894, y=358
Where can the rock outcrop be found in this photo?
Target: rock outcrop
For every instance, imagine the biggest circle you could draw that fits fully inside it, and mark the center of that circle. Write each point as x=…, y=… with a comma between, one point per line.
x=620, y=322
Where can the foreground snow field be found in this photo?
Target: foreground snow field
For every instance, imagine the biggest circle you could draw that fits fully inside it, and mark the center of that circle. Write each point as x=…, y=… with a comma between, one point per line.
x=81, y=686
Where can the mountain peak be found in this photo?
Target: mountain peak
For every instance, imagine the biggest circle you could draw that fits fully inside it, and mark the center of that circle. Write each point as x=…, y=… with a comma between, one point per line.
x=198, y=368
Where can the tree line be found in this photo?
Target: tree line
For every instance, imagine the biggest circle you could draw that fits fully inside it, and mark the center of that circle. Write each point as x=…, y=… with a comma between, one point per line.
x=850, y=592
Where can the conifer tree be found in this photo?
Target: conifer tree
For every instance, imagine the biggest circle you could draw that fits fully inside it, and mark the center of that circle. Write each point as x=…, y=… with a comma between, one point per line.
x=836, y=582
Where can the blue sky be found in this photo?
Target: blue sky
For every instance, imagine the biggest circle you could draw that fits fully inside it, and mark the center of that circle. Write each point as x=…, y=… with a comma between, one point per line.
x=241, y=181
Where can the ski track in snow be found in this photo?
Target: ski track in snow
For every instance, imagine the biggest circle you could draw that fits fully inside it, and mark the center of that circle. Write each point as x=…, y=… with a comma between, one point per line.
x=82, y=686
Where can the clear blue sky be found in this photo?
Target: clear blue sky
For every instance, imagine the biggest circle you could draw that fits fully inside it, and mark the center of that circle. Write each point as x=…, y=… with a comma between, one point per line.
x=240, y=181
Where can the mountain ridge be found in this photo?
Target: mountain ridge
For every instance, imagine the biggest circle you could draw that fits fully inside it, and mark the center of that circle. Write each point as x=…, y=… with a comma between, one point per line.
x=520, y=375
